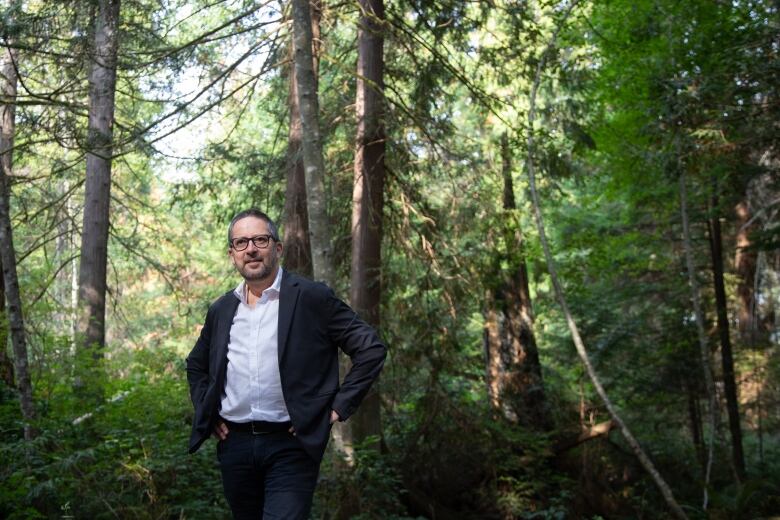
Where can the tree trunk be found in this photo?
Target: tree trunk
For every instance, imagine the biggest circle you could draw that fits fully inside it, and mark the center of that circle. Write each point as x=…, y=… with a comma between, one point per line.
x=74, y=283
x=7, y=252
x=314, y=173
x=729, y=379
x=6, y=363
x=94, y=239
x=514, y=373
x=704, y=350
x=314, y=167
x=297, y=246
x=63, y=250
x=745, y=262
x=368, y=193
x=694, y=415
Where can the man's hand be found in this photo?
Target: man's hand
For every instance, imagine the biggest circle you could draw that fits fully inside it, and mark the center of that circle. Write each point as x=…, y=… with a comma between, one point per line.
x=220, y=430
x=333, y=418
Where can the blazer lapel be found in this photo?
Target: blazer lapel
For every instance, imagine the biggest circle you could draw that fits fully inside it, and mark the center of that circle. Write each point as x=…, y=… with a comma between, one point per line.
x=224, y=322
x=288, y=297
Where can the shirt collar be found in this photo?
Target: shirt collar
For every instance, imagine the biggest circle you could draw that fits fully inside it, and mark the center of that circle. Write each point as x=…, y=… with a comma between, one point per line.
x=274, y=289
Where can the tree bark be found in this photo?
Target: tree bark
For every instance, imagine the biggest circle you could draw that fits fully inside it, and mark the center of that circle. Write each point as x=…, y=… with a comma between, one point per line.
x=745, y=262
x=694, y=416
x=297, y=246
x=314, y=167
x=514, y=373
x=368, y=193
x=6, y=363
x=7, y=253
x=94, y=239
x=729, y=379
x=640, y=454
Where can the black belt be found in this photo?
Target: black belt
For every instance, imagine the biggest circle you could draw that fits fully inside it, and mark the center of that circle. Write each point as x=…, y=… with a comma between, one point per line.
x=258, y=427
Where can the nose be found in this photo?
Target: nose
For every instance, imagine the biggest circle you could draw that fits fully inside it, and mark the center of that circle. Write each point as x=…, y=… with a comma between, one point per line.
x=251, y=246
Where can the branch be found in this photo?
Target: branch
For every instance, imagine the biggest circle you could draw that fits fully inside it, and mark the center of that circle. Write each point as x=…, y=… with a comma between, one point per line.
x=204, y=37
x=578, y=343
x=598, y=430
x=161, y=269
x=53, y=277
x=478, y=93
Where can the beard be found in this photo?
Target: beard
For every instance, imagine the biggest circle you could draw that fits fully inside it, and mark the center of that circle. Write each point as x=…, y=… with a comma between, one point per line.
x=265, y=270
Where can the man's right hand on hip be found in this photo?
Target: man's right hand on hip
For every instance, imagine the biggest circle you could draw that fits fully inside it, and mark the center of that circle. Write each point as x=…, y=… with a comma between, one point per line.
x=220, y=430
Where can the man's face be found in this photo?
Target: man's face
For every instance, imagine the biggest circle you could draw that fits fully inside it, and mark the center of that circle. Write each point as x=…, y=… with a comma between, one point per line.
x=252, y=263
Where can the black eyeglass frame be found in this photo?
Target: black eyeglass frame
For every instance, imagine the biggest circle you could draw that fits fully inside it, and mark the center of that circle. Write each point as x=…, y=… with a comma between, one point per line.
x=266, y=240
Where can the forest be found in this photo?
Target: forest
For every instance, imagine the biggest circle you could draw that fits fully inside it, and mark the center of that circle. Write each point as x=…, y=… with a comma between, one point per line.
x=561, y=216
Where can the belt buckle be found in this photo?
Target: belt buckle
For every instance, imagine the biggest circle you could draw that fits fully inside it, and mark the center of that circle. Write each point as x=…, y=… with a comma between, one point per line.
x=254, y=432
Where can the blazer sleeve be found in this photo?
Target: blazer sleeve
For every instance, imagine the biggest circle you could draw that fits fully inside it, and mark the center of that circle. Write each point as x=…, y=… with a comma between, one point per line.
x=198, y=361
x=362, y=344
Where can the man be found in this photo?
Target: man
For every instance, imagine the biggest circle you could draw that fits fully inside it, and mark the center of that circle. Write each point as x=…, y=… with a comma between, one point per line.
x=264, y=379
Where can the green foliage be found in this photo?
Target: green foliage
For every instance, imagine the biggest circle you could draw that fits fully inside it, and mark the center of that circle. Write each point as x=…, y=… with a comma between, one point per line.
x=127, y=460
x=371, y=485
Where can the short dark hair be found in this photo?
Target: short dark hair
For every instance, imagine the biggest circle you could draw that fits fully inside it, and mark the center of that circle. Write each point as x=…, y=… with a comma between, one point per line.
x=256, y=213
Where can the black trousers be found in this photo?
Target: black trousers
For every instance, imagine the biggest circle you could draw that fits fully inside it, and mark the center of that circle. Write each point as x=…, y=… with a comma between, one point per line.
x=267, y=476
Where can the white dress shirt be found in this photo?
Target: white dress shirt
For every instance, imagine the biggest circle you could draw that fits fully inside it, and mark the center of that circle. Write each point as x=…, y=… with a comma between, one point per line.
x=253, y=387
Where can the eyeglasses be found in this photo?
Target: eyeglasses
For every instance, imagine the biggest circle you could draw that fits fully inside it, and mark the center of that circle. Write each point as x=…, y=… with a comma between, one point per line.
x=259, y=241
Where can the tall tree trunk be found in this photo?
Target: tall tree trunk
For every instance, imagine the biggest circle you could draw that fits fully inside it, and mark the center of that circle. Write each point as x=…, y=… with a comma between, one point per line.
x=314, y=173
x=94, y=239
x=515, y=384
x=368, y=192
x=745, y=262
x=694, y=415
x=694, y=286
x=62, y=251
x=729, y=379
x=314, y=166
x=297, y=246
x=7, y=253
x=640, y=454
x=704, y=350
x=74, y=283
x=6, y=363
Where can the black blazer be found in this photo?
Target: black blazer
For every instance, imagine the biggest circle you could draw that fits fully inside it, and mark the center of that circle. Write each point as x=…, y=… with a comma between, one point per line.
x=313, y=324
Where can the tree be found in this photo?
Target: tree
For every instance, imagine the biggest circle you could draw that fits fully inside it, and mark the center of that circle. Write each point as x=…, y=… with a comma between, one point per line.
x=6, y=363
x=94, y=238
x=7, y=252
x=745, y=260
x=314, y=166
x=704, y=351
x=514, y=373
x=368, y=192
x=727, y=359
x=297, y=242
